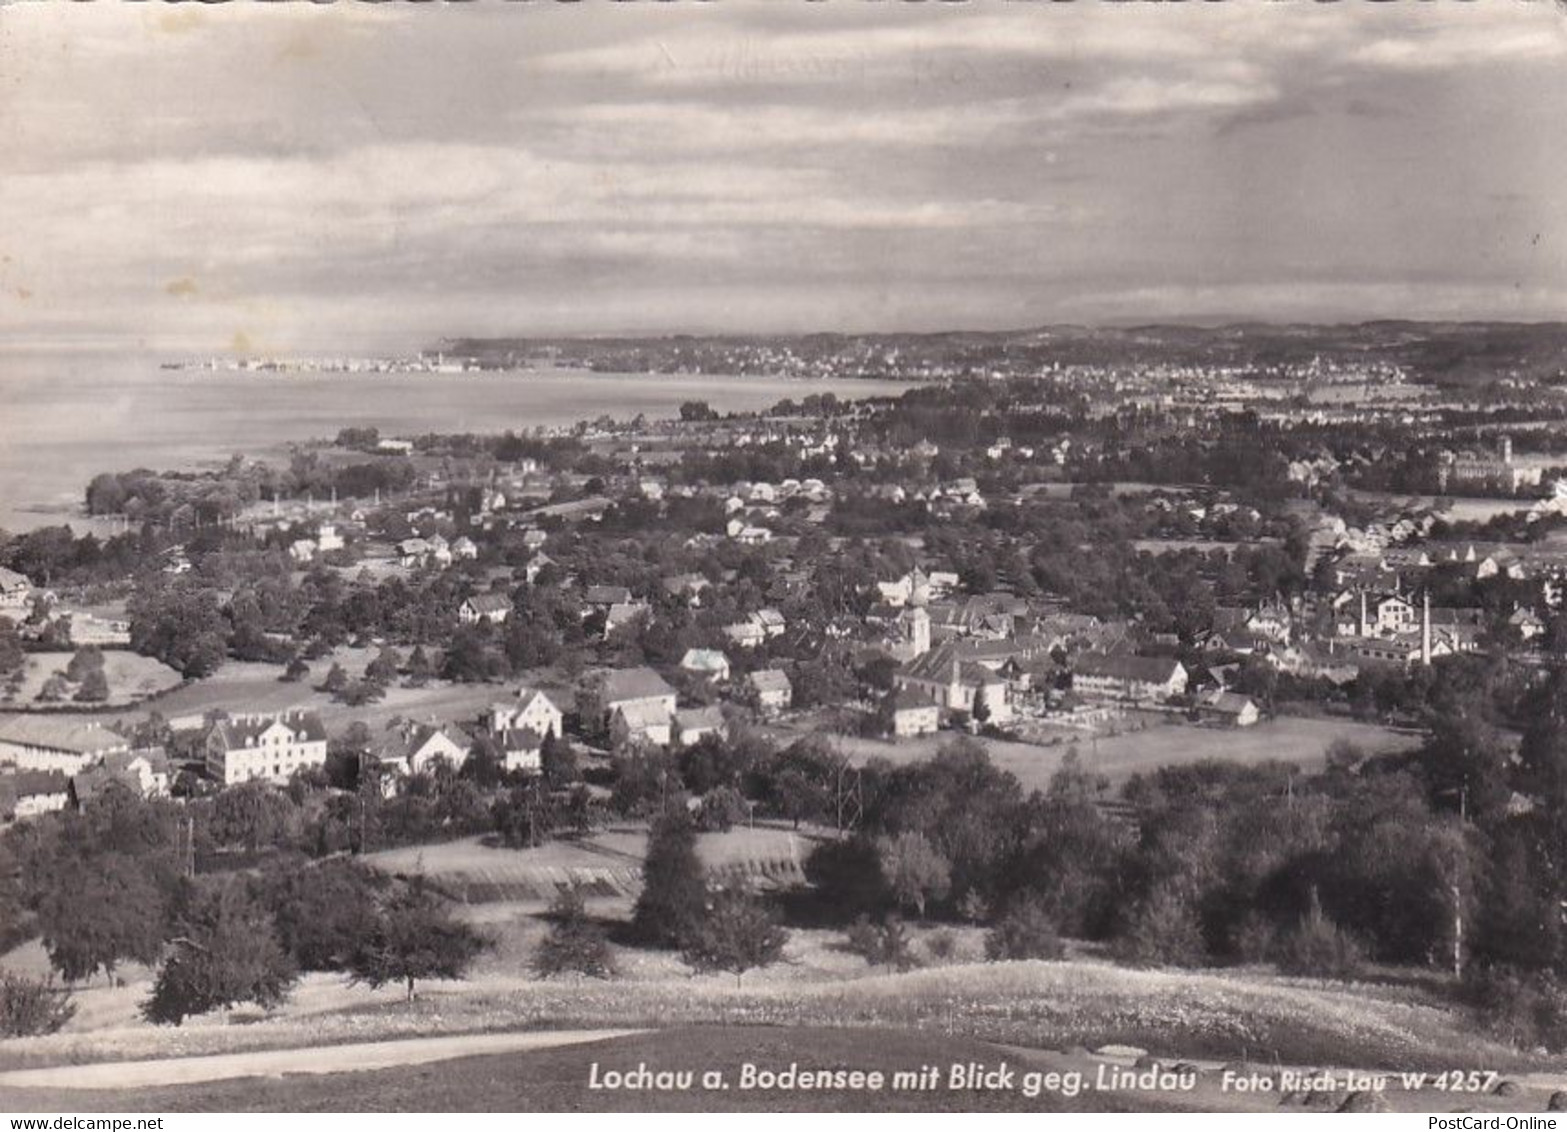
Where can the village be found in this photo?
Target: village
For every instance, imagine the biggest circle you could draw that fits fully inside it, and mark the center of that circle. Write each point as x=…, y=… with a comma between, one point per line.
x=987, y=639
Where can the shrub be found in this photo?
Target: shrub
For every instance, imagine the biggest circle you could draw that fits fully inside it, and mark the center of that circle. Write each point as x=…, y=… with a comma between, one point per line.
x=30, y=1007
x=914, y=870
x=848, y=878
x=942, y=944
x=1525, y=1008
x=884, y=944
x=973, y=907
x=723, y=808
x=1318, y=946
x=1026, y=931
x=1162, y=929
x=574, y=943
x=736, y=934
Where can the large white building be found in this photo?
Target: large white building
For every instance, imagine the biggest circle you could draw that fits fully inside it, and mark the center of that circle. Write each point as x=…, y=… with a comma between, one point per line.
x=1138, y=679
x=242, y=748
x=36, y=742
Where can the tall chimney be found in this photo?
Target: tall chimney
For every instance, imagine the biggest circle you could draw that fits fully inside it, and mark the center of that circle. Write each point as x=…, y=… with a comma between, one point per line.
x=1365, y=624
x=1425, y=628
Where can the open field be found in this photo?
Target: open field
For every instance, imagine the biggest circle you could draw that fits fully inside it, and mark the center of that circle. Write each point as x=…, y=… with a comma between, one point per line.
x=1217, y=1017
x=248, y=686
x=131, y=677
x=606, y=864
x=1165, y=741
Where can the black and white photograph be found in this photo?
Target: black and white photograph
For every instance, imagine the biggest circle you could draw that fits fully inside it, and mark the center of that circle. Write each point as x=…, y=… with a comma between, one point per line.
x=778, y=556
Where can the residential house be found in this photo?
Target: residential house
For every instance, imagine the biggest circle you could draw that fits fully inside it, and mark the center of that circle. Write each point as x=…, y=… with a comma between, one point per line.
x=604, y=597
x=532, y=709
x=636, y=704
x=414, y=748
x=914, y=714
x=491, y=608
x=747, y=634
x=145, y=772
x=465, y=548
x=56, y=743
x=687, y=587
x=641, y=723
x=242, y=748
x=521, y=749
x=623, y=614
x=771, y=689
x=710, y=664
x=691, y=724
x=1138, y=679
x=32, y=793
x=1228, y=708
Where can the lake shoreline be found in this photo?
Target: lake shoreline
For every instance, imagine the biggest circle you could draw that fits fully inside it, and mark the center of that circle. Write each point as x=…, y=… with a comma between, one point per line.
x=72, y=416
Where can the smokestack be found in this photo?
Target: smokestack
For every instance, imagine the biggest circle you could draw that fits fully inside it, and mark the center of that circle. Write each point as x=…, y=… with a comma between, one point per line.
x=1365, y=624
x=1425, y=628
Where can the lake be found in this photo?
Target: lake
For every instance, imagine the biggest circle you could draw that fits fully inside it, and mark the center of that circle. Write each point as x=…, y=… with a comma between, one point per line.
x=68, y=416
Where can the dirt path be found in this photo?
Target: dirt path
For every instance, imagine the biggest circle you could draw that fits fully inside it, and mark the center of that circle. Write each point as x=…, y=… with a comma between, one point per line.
x=310, y=1060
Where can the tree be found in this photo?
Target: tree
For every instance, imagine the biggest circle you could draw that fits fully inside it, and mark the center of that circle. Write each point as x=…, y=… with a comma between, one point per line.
x=848, y=877
x=296, y=670
x=336, y=680
x=251, y=816
x=94, y=687
x=525, y=816
x=84, y=661
x=100, y=912
x=884, y=944
x=1024, y=932
x=674, y=884
x=225, y=952
x=574, y=943
x=415, y=937
x=30, y=1007
x=914, y=870
x=420, y=670
x=322, y=910
x=559, y=760
x=737, y=933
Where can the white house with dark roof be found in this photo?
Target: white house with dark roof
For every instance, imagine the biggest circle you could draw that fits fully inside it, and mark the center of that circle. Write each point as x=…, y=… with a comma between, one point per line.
x=1140, y=679
x=691, y=724
x=491, y=608
x=242, y=748
x=32, y=793
x=642, y=723
x=771, y=689
x=521, y=749
x=145, y=772
x=415, y=748
x=637, y=705
x=531, y=709
x=55, y=743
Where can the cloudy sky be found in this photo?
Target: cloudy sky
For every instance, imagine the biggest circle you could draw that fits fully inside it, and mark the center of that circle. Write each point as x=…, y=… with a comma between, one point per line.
x=295, y=176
